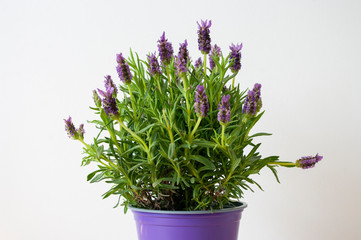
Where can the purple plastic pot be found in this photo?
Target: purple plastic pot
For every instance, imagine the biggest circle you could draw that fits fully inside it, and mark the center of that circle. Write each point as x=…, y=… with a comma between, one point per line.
x=189, y=225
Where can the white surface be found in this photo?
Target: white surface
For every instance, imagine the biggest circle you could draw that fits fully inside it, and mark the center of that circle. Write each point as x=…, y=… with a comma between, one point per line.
x=305, y=53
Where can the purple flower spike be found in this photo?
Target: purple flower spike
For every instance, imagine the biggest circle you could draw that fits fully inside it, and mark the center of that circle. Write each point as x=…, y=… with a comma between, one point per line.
x=308, y=162
x=235, y=57
x=165, y=50
x=74, y=133
x=109, y=103
x=70, y=129
x=201, y=104
x=216, y=53
x=198, y=64
x=224, y=110
x=110, y=84
x=123, y=69
x=154, y=68
x=204, y=40
x=253, y=102
x=182, y=59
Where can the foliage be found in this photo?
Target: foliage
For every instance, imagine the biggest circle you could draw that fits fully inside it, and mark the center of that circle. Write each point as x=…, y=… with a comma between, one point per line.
x=158, y=153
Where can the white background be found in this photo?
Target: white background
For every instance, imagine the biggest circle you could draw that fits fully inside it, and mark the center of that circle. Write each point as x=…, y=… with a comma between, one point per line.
x=306, y=54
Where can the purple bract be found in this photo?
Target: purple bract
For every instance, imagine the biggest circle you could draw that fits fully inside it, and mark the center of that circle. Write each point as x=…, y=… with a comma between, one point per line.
x=110, y=84
x=109, y=103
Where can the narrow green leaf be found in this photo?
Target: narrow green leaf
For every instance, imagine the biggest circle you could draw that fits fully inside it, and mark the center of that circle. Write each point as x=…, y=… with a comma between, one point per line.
x=203, y=160
x=171, y=150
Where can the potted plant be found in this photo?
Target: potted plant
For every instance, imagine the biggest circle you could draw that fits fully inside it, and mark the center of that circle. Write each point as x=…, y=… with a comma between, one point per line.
x=177, y=145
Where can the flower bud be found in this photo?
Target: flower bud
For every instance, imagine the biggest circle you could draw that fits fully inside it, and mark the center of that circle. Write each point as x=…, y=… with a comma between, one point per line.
x=253, y=102
x=308, y=162
x=224, y=110
x=204, y=40
x=109, y=103
x=123, y=69
x=154, y=68
x=182, y=59
x=96, y=98
x=215, y=54
x=201, y=104
x=235, y=57
x=73, y=133
x=198, y=64
x=165, y=50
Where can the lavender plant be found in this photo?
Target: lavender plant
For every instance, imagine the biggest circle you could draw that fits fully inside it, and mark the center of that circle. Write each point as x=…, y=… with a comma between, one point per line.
x=179, y=137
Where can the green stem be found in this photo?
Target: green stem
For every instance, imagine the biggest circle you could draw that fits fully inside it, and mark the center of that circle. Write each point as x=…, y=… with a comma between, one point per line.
x=233, y=82
x=158, y=79
x=87, y=146
x=195, y=128
x=114, y=139
x=134, y=135
x=145, y=146
x=187, y=102
x=223, y=129
x=133, y=104
x=169, y=82
x=115, y=167
x=291, y=164
x=205, y=64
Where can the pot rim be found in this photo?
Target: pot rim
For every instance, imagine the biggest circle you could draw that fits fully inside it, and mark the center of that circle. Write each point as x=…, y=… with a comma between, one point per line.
x=238, y=206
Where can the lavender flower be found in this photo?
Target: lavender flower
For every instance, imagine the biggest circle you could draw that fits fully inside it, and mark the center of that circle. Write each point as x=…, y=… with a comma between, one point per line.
x=123, y=69
x=109, y=103
x=165, y=50
x=308, y=162
x=74, y=133
x=153, y=65
x=198, y=64
x=204, y=40
x=110, y=84
x=201, y=104
x=182, y=59
x=235, y=57
x=253, y=102
x=216, y=53
x=224, y=110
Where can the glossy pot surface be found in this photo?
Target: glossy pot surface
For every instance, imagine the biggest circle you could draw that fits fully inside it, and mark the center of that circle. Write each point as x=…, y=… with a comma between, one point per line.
x=189, y=225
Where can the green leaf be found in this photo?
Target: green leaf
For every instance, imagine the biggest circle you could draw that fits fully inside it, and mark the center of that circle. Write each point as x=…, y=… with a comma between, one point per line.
x=204, y=143
x=193, y=180
x=91, y=175
x=260, y=134
x=171, y=150
x=203, y=160
x=274, y=171
x=100, y=151
x=98, y=177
